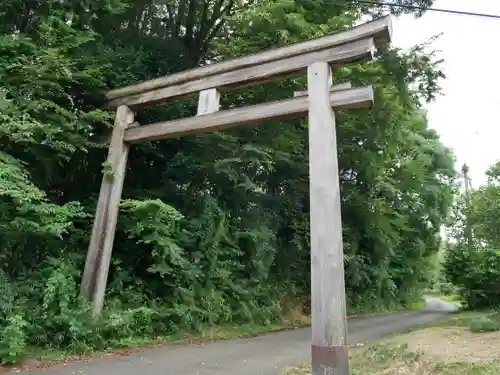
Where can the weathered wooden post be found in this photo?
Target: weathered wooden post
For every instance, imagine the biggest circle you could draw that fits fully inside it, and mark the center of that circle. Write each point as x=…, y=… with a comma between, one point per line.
x=95, y=274
x=328, y=303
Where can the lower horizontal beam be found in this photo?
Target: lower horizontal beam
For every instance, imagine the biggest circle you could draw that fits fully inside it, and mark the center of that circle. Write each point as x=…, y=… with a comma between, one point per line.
x=361, y=97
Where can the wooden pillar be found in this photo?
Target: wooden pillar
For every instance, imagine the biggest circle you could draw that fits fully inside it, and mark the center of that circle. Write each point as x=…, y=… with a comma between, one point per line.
x=95, y=274
x=328, y=303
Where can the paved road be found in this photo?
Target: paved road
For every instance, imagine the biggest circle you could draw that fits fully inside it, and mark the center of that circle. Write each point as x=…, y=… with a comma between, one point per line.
x=263, y=355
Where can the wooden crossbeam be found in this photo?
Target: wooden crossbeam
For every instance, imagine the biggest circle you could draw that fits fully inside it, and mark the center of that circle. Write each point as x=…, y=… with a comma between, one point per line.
x=208, y=102
x=380, y=30
x=361, y=97
x=336, y=56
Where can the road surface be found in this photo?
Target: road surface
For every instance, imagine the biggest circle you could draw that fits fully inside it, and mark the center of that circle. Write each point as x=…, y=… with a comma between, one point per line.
x=264, y=355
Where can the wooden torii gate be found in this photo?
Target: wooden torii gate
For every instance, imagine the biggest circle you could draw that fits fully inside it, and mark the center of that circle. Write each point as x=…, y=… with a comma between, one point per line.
x=316, y=56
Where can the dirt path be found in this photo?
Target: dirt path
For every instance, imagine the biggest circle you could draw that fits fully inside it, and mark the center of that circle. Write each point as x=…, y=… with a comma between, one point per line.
x=263, y=355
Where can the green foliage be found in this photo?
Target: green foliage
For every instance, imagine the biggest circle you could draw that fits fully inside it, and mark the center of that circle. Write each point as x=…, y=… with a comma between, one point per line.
x=485, y=324
x=476, y=273
x=447, y=289
x=214, y=229
x=13, y=340
x=472, y=263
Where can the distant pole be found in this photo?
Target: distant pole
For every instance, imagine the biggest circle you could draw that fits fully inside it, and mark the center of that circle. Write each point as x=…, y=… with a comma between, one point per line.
x=467, y=183
x=328, y=303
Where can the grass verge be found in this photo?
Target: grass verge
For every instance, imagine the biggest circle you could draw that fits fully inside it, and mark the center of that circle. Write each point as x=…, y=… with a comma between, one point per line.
x=449, y=347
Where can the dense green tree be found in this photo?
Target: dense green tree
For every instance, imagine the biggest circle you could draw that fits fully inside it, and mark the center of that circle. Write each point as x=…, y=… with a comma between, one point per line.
x=473, y=257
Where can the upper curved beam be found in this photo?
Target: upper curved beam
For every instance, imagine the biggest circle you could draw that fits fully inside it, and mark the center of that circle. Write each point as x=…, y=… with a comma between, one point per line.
x=380, y=30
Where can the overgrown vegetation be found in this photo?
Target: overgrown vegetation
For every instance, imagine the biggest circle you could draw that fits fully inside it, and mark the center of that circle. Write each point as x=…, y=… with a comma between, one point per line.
x=473, y=259
x=476, y=321
x=214, y=228
x=486, y=323
x=394, y=359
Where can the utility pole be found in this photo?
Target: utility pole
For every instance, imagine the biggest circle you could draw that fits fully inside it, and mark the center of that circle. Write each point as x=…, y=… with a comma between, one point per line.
x=467, y=187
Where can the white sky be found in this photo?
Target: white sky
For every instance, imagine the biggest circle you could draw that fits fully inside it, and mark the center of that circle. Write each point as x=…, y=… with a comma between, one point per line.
x=467, y=117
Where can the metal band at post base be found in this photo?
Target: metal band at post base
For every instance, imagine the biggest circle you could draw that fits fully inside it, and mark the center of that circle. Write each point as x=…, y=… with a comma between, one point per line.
x=330, y=360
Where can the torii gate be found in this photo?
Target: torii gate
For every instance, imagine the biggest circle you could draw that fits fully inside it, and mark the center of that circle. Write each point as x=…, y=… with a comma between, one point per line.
x=316, y=56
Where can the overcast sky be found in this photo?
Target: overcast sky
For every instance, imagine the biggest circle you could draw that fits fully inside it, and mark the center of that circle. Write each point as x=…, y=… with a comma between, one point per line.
x=468, y=116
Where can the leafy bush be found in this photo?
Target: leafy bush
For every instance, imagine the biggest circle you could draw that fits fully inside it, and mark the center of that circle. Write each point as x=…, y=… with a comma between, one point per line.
x=476, y=274
x=473, y=263
x=47, y=312
x=485, y=324
x=446, y=289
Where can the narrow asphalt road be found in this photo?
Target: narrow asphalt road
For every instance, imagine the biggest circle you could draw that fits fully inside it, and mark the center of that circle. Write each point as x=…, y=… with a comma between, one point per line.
x=264, y=355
